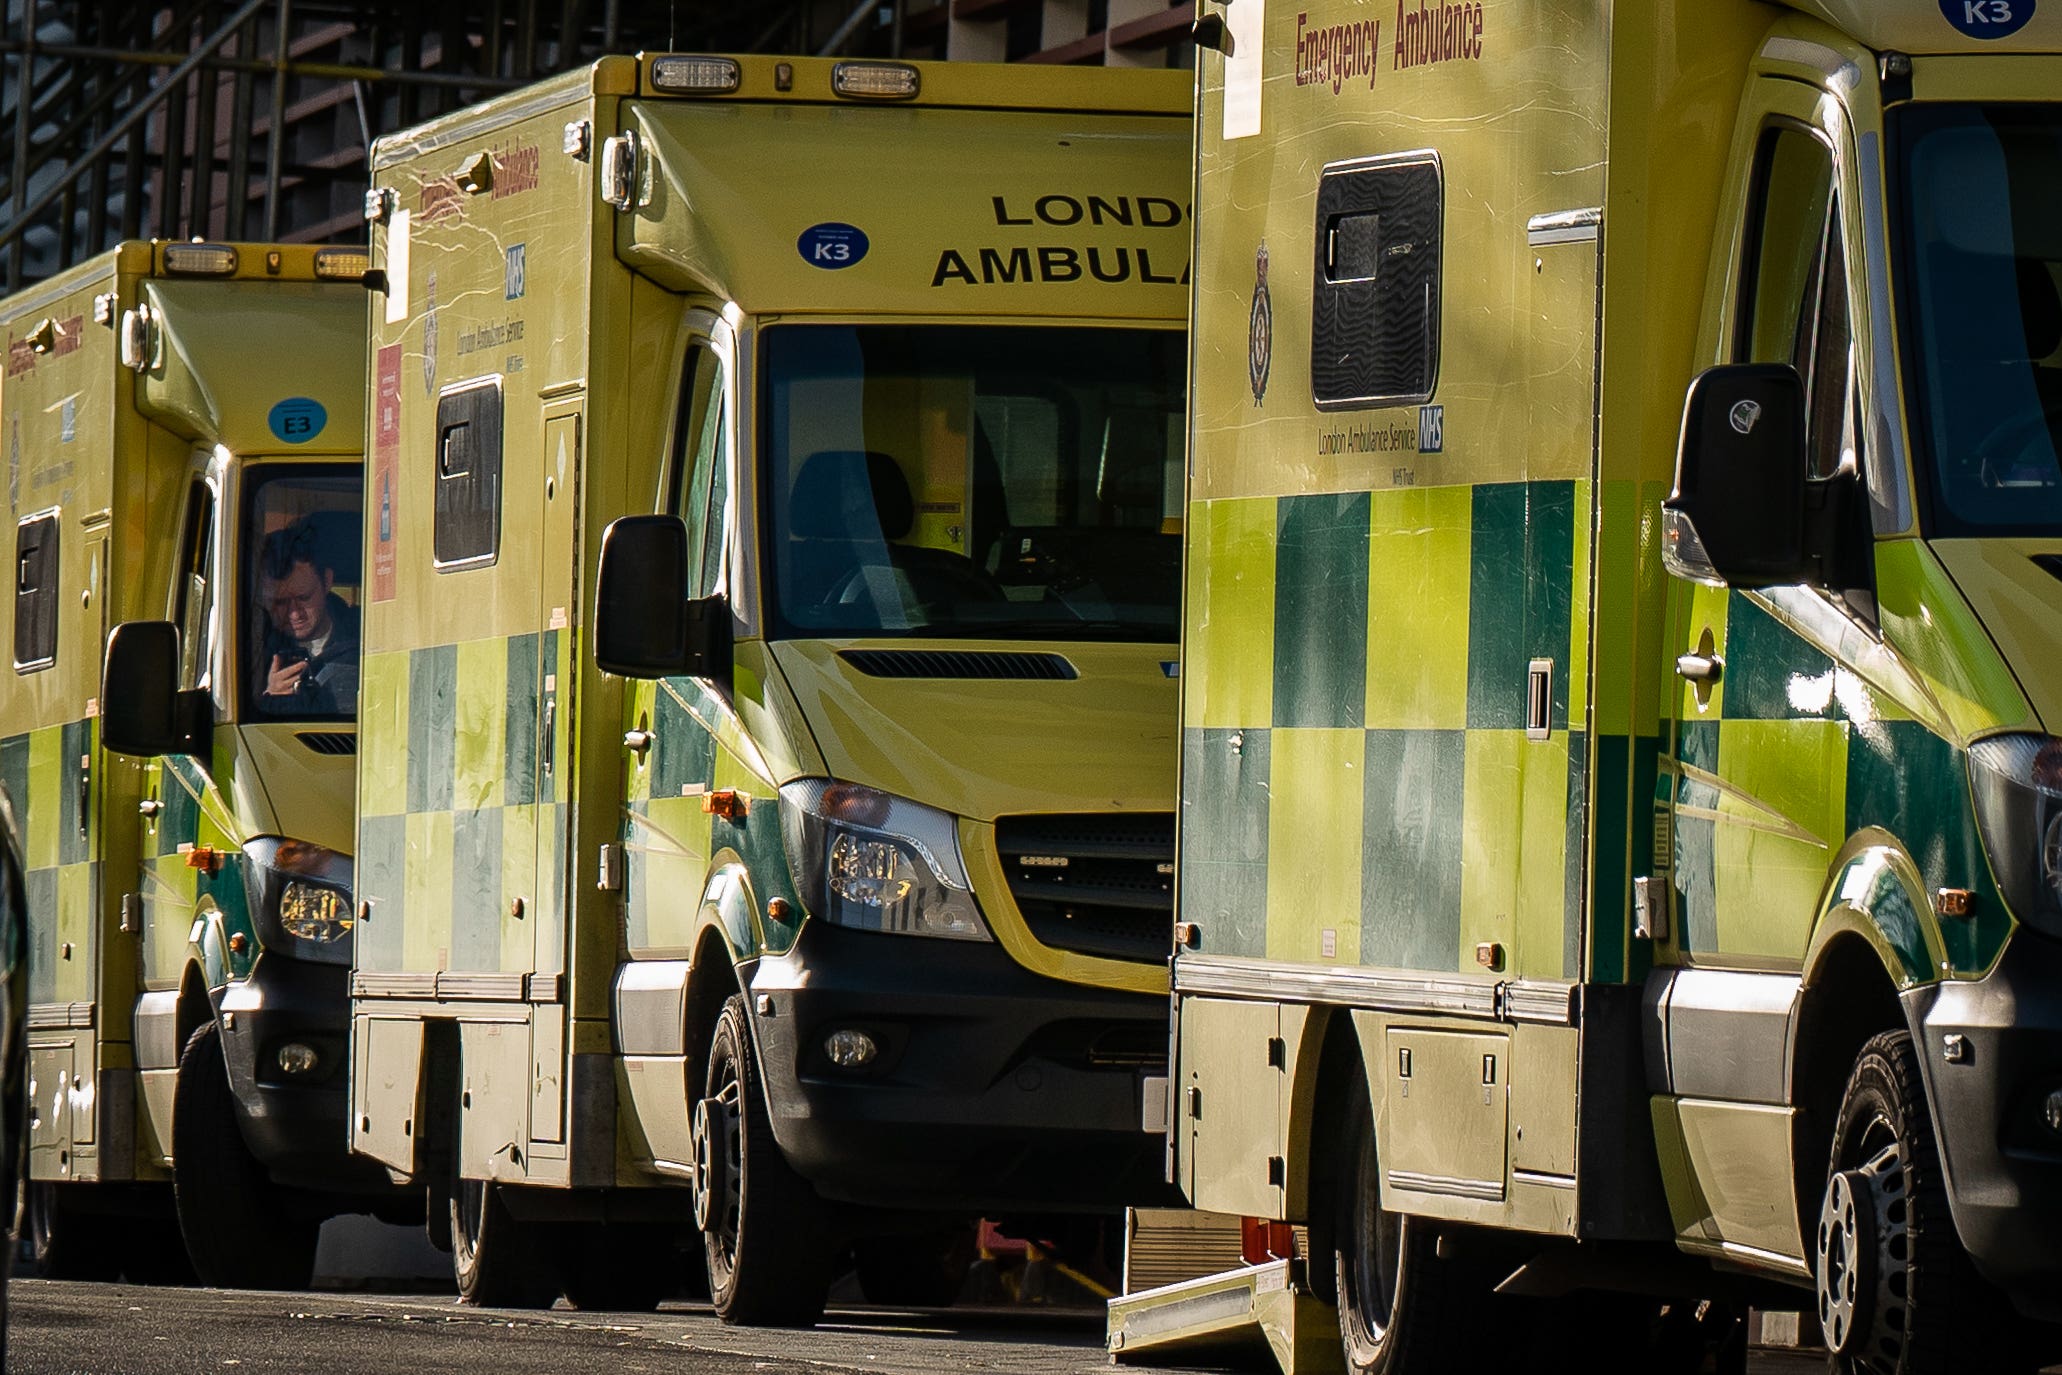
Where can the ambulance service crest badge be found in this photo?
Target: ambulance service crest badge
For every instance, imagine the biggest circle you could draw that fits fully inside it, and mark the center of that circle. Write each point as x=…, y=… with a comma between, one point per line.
x=1260, y=328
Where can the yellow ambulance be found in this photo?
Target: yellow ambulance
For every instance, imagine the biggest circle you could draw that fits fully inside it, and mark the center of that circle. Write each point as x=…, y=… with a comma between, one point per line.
x=838, y=404
x=182, y=430
x=1619, y=870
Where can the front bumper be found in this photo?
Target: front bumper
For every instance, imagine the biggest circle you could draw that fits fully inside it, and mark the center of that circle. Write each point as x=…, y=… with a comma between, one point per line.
x=298, y=1126
x=996, y=1090
x=2002, y=1160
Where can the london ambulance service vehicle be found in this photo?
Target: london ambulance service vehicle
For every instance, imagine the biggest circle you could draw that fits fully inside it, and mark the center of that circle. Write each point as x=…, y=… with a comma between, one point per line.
x=182, y=428
x=847, y=923
x=1620, y=680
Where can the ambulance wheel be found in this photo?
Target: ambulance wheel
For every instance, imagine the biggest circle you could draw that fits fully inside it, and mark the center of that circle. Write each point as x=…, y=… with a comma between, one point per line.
x=241, y=1229
x=762, y=1224
x=1401, y=1308
x=69, y=1243
x=622, y=1267
x=498, y=1259
x=1896, y=1292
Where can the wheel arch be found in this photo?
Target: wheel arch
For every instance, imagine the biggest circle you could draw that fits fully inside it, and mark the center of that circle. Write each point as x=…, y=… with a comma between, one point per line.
x=1849, y=996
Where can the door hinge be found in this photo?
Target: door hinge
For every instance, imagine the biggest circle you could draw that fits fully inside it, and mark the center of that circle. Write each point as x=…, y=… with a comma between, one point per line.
x=609, y=872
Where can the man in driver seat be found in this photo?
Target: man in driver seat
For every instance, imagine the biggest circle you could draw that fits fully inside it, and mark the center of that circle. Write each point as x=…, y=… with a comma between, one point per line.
x=309, y=661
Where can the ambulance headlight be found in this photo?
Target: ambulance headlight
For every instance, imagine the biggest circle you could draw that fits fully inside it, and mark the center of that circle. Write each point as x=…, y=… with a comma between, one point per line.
x=2016, y=784
x=300, y=898
x=876, y=862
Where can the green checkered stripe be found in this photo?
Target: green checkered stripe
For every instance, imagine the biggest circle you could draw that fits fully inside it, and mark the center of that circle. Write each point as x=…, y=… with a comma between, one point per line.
x=1357, y=786
x=456, y=807
x=670, y=841
x=1809, y=755
x=62, y=871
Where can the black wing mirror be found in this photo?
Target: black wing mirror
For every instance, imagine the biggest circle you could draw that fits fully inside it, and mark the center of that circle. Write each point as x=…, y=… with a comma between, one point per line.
x=142, y=710
x=645, y=624
x=1737, y=516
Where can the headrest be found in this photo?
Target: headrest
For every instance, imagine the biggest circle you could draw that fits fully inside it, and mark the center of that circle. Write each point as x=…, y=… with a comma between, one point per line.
x=849, y=493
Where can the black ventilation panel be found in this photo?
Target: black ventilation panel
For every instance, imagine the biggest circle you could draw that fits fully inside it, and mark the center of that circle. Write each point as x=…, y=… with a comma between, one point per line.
x=956, y=663
x=1374, y=317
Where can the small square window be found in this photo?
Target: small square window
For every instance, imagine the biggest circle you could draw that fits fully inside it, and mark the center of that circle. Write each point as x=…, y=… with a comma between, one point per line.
x=35, y=593
x=468, y=475
x=1374, y=320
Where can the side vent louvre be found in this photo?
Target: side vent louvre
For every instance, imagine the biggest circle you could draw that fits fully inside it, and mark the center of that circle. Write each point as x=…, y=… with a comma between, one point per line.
x=957, y=663
x=328, y=741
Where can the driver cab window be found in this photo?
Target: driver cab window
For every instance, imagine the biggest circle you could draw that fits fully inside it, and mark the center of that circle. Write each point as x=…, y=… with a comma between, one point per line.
x=701, y=477
x=1794, y=306
x=195, y=611
x=304, y=558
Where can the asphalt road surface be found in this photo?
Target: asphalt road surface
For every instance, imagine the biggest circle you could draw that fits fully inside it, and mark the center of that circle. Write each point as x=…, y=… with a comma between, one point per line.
x=102, y=1329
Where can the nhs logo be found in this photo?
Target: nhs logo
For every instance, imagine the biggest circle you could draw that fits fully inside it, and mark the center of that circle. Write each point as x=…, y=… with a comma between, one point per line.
x=514, y=275
x=1431, y=429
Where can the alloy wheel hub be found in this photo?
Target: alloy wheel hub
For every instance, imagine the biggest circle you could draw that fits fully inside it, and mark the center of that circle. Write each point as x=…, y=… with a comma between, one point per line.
x=1864, y=1261
x=1846, y=1259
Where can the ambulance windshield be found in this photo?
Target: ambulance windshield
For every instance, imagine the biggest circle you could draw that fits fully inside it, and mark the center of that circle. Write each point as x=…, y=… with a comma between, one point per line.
x=1982, y=246
x=1005, y=482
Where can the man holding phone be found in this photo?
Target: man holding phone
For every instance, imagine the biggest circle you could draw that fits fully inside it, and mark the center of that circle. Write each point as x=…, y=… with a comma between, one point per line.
x=309, y=661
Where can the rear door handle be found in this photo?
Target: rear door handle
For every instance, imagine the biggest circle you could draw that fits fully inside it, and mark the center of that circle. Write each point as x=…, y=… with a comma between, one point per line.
x=1700, y=668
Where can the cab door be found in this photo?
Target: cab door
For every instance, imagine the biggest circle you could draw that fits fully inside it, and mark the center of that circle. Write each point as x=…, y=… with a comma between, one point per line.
x=169, y=813
x=1761, y=707
x=675, y=720
x=1754, y=783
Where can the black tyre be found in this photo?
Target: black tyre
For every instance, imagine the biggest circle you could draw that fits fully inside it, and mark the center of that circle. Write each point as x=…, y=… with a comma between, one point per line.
x=924, y=1270
x=499, y=1260
x=762, y=1224
x=1401, y=1308
x=68, y=1242
x=242, y=1231
x=1897, y=1294
x=622, y=1267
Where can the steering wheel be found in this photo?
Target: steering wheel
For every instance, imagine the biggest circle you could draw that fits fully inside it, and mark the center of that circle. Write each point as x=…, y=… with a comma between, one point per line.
x=935, y=580
x=2017, y=436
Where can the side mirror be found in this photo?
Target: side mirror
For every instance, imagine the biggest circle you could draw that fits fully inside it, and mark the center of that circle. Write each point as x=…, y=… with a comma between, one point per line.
x=645, y=624
x=142, y=710
x=1737, y=515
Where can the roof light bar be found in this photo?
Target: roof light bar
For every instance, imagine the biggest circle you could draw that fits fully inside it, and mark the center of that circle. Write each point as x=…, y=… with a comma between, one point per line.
x=200, y=259
x=695, y=75
x=342, y=264
x=876, y=80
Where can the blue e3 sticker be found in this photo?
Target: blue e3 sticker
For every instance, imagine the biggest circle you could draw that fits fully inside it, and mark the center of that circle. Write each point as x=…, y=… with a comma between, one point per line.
x=1988, y=18
x=297, y=419
x=832, y=245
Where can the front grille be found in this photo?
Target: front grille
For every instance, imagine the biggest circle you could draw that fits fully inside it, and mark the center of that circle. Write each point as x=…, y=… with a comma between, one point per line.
x=328, y=741
x=1098, y=885
x=959, y=663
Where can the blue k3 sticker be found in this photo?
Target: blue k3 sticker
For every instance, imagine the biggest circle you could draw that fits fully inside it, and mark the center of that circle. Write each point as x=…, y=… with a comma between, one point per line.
x=1988, y=18
x=297, y=419
x=832, y=246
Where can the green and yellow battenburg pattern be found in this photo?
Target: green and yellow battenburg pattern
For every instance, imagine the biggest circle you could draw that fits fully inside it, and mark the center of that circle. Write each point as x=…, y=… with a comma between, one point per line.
x=451, y=822
x=1368, y=685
